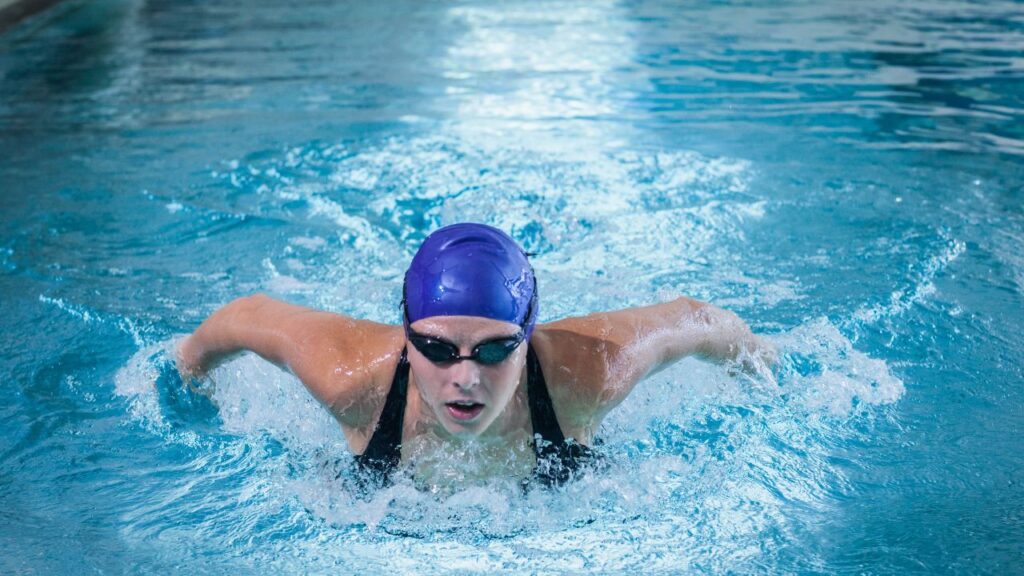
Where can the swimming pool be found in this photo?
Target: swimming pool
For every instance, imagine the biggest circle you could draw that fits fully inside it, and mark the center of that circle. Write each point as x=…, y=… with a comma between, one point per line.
x=846, y=176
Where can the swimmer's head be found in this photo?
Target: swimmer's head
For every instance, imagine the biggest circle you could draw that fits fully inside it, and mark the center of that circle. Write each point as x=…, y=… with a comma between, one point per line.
x=471, y=270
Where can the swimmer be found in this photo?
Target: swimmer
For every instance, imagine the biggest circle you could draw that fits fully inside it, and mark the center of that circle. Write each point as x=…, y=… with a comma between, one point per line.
x=470, y=374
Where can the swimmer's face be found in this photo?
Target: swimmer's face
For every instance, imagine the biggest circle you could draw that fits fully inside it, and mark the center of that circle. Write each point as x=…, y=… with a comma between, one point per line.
x=466, y=396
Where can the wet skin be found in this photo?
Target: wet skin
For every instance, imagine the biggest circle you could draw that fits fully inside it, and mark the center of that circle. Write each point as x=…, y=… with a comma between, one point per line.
x=591, y=363
x=466, y=398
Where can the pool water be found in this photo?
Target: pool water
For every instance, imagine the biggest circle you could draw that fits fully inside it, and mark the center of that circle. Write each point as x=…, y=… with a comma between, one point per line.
x=845, y=176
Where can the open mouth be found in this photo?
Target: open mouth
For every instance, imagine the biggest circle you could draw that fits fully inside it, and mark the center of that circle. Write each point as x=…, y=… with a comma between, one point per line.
x=464, y=410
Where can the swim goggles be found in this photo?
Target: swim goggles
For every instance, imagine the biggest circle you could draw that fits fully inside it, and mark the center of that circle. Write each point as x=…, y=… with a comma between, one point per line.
x=441, y=352
x=488, y=353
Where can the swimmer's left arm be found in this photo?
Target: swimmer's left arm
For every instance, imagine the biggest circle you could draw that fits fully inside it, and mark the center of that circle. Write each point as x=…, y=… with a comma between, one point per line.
x=632, y=344
x=656, y=336
x=720, y=335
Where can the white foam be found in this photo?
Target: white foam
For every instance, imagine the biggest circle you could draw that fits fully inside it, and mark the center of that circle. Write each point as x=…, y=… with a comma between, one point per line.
x=609, y=223
x=137, y=380
x=719, y=481
x=842, y=375
x=922, y=287
x=254, y=396
x=308, y=242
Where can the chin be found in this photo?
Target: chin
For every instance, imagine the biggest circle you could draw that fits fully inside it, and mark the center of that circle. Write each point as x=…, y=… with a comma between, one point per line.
x=463, y=431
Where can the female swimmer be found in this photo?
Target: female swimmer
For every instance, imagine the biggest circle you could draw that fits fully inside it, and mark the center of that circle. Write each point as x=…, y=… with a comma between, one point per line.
x=470, y=376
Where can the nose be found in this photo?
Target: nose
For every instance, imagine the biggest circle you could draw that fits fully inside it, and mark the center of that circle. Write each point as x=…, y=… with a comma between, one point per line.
x=465, y=374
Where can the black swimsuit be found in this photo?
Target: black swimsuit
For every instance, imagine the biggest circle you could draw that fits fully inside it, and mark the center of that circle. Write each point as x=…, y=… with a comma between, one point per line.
x=558, y=458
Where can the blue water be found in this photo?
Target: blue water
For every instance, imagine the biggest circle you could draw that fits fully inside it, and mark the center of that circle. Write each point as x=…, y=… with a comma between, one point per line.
x=847, y=176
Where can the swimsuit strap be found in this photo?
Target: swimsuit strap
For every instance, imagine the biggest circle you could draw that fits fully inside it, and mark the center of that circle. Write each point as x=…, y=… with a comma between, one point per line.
x=558, y=459
x=384, y=451
x=542, y=412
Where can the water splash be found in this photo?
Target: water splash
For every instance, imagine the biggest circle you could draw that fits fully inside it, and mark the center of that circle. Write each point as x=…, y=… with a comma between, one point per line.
x=695, y=453
x=138, y=381
x=831, y=374
x=139, y=333
x=922, y=286
x=604, y=222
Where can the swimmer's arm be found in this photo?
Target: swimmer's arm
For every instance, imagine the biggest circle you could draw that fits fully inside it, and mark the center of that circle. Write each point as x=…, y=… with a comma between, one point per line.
x=621, y=348
x=693, y=328
x=666, y=333
x=254, y=323
x=309, y=343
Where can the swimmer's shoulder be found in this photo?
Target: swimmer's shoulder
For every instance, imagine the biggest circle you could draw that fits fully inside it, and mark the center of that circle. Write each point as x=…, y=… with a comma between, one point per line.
x=346, y=363
x=592, y=362
x=358, y=364
x=578, y=356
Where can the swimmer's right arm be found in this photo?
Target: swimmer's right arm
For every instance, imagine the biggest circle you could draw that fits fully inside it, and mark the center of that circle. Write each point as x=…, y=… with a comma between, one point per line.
x=233, y=328
x=311, y=344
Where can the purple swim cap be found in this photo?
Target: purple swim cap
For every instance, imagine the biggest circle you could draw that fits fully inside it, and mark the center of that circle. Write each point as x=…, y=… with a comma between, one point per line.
x=471, y=270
